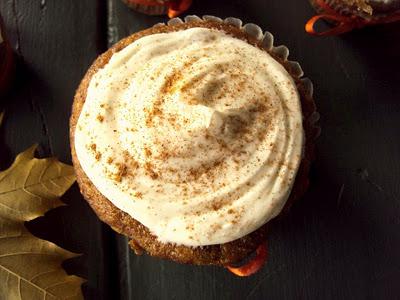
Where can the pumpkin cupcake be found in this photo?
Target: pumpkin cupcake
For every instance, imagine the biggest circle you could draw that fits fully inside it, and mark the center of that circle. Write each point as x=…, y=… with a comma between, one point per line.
x=190, y=137
x=362, y=7
x=347, y=15
x=159, y=7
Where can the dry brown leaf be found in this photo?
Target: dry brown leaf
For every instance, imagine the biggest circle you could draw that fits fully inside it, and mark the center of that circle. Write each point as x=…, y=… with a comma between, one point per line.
x=30, y=268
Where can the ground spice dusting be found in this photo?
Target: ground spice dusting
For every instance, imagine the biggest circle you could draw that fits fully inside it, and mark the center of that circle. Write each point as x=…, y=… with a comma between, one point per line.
x=215, y=227
x=163, y=156
x=150, y=171
x=121, y=173
x=147, y=152
x=100, y=118
x=98, y=156
x=216, y=206
x=190, y=227
x=168, y=87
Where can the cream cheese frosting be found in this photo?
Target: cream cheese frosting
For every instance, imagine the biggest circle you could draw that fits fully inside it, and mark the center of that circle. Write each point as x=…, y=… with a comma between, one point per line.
x=196, y=134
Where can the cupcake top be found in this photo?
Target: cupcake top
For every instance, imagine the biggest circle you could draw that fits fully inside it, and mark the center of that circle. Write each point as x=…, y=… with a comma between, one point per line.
x=194, y=133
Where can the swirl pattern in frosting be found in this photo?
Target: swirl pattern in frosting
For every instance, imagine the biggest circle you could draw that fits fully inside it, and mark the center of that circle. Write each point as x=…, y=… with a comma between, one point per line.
x=196, y=134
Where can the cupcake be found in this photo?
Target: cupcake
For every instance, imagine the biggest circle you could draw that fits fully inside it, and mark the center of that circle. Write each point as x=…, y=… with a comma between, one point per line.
x=159, y=7
x=189, y=138
x=347, y=15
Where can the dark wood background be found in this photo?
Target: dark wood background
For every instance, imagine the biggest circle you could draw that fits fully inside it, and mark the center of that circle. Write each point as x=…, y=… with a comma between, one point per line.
x=342, y=241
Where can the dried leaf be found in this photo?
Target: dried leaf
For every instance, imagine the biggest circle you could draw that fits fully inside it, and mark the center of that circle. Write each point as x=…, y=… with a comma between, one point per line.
x=30, y=268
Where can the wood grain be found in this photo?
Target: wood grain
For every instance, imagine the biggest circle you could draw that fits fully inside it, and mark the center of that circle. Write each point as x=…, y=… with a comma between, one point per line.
x=55, y=42
x=340, y=242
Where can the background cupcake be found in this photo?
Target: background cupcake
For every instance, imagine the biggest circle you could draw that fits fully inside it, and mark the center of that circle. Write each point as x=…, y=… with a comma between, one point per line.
x=159, y=7
x=347, y=15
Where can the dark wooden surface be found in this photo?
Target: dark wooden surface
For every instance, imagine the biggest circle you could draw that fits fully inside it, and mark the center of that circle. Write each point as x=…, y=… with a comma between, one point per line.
x=342, y=241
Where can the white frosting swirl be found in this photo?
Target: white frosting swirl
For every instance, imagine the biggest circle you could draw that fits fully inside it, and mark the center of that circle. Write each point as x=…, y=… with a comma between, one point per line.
x=196, y=134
